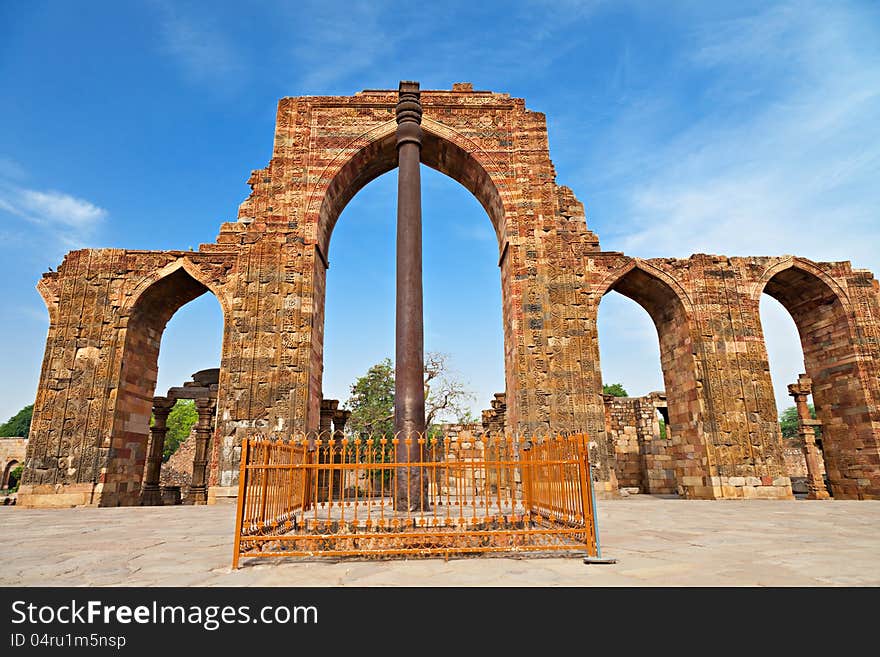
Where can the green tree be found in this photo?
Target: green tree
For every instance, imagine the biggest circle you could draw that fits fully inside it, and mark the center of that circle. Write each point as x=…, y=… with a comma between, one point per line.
x=372, y=413
x=445, y=395
x=372, y=401
x=614, y=389
x=372, y=404
x=788, y=422
x=372, y=396
x=180, y=422
x=19, y=425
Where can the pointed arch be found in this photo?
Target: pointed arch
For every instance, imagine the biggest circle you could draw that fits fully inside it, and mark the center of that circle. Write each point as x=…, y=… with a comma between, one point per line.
x=806, y=266
x=183, y=264
x=145, y=314
x=374, y=153
x=821, y=311
x=671, y=311
x=613, y=280
x=364, y=159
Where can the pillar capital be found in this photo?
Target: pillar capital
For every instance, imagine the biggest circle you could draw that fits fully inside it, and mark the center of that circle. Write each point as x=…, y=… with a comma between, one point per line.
x=409, y=114
x=205, y=404
x=803, y=387
x=340, y=418
x=161, y=410
x=163, y=404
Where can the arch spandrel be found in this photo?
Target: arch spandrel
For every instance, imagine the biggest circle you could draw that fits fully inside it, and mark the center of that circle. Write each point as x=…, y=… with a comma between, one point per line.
x=373, y=154
x=197, y=273
x=612, y=278
x=806, y=266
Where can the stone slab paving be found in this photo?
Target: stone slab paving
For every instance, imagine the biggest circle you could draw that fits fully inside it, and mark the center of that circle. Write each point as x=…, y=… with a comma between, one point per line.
x=658, y=542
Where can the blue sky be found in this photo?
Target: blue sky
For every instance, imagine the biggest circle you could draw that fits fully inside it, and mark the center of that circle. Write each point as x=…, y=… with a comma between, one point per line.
x=746, y=128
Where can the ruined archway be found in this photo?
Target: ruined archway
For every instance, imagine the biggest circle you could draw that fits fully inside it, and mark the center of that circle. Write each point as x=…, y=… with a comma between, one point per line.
x=462, y=303
x=668, y=307
x=108, y=308
x=820, y=312
x=7, y=471
x=153, y=303
x=379, y=156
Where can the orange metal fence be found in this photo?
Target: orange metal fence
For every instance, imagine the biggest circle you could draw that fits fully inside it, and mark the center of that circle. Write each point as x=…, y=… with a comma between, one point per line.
x=320, y=495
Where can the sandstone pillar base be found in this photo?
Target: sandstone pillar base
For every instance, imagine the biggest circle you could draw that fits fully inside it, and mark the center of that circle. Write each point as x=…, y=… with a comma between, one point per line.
x=198, y=495
x=151, y=496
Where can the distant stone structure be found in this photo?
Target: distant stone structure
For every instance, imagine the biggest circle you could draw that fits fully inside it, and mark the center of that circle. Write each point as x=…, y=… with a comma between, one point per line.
x=109, y=307
x=12, y=454
x=177, y=470
x=643, y=458
x=203, y=390
x=814, y=462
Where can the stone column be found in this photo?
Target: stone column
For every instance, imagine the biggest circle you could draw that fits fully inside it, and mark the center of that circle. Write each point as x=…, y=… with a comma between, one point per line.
x=409, y=390
x=151, y=495
x=815, y=481
x=326, y=452
x=198, y=490
x=328, y=411
x=340, y=418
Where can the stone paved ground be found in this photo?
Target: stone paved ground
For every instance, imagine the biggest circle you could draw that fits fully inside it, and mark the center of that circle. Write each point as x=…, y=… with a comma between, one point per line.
x=658, y=542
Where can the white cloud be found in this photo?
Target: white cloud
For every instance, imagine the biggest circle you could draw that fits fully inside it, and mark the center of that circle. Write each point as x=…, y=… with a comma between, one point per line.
x=782, y=157
x=67, y=220
x=58, y=208
x=795, y=172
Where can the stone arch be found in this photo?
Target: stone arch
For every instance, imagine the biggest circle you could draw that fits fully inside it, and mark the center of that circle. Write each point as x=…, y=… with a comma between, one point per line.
x=646, y=267
x=153, y=302
x=444, y=150
x=183, y=263
x=807, y=266
x=821, y=312
x=10, y=466
x=671, y=311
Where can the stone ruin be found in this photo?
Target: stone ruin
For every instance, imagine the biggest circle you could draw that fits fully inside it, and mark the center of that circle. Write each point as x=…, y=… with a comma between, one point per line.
x=643, y=457
x=108, y=308
x=187, y=467
x=12, y=455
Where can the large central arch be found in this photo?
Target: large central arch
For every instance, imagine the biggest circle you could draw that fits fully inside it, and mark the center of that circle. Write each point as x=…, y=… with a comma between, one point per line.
x=377, y=157
x=440, y=151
